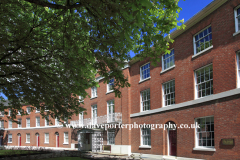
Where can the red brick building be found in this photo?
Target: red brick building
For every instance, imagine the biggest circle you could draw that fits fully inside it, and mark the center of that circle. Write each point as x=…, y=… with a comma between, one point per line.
x=197, y=83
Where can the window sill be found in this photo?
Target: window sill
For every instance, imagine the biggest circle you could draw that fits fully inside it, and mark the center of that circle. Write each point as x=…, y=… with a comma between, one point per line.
x=167, y=69
x=236, y=33
x=93, y=98
x=9, y=142
x=144, y=80
x=204, y=149
x=27, y=142
x=110, y=91
x=46, y=142
x=65, y=143
x=145, y=147
x=205, y=50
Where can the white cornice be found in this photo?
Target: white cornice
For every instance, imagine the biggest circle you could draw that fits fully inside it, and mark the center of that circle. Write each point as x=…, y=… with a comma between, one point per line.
x=189, y=103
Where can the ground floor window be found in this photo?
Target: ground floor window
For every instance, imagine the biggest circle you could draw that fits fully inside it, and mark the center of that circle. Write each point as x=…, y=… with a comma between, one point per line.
x=10, y=138
x=46, y=137
x=145, y=137
x=111, y=137
x=27, y=138
x=66, y=137
x=205, y=134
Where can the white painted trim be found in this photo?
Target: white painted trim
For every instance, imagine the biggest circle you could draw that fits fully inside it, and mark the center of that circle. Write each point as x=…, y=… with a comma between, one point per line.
x=144, y=80
x=93, y=98
x=204, y=149
x=167, y=69
x=110, y=91
x=236, y=21
x=141, y=80
x=43, y=127
x=203, y=51
x=189, y=103
x=236, y=33
x=145, y=147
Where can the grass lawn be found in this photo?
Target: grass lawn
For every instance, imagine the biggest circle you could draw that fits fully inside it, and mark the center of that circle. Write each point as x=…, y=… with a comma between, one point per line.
x=12, y=152
x=65, y=158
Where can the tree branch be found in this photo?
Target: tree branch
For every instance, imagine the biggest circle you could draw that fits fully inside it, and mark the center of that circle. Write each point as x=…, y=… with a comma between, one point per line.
x=55, y=6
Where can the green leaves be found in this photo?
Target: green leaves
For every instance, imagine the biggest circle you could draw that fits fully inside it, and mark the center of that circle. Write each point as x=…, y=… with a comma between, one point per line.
x=53, y=50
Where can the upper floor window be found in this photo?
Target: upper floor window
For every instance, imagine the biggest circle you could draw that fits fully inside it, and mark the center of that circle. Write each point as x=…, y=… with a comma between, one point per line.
x=81, y=99
x=145, y=100
x=19, y=112
x=28, y=110
x=2, y=124
x=238, y=70
x=56, y=122
x=145, y=71
x=110, y=85
x=28, y=122
x=168, y=60
x=169, y=93
x=205, y=134
x=37, y=121
x=111, y=137
x=9, y=112
x=37, y=110
x=145, y=137
x=94, y=92
x=19, y=123
x=81, y=118
x=237, y=18
x=94, y=114
x=10, y=124
x=204, y=81
x=47, y=121
x=202, y=40
x=110, y=105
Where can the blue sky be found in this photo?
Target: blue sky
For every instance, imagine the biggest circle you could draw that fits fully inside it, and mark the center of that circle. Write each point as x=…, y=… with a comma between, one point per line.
x=189, y=9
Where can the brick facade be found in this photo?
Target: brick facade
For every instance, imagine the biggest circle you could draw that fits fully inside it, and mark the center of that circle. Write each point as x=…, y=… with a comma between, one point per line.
x=222, y=56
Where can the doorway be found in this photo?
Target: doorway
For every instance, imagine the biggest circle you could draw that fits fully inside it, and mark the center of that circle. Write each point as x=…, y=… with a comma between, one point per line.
x=19, y=139
x=172, y=139
x=37, y=139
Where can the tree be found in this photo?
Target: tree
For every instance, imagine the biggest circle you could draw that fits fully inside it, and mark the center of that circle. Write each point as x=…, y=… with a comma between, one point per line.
x=52, y=50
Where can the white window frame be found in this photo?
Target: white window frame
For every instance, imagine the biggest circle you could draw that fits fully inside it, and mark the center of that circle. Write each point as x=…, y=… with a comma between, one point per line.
x=141, y=71
x=197, y=84
x=20, y=125
x=81, y=119
x=46, y=138
x=9, y=112
x=66, y=138
x=28, y=110
x=238, y=70
x=9, y=137
x=147, y=135
x=94, y=92
x=56, y=122
x=164, y=60
x=206, y=132
x=9, y=123
x=111, y=137
x=37, y=110
x=2, y=124
x=94, y=114
x=28, y=138
x=47, y=122
x=81, y=99
x=37, y=118
x=142, y=102
x=110, y=111
x=237, y=29
x=164, y=95
x=28, y=126
x=109, y=84
x=194, y=41
x=19, y=112
x=46, y=109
